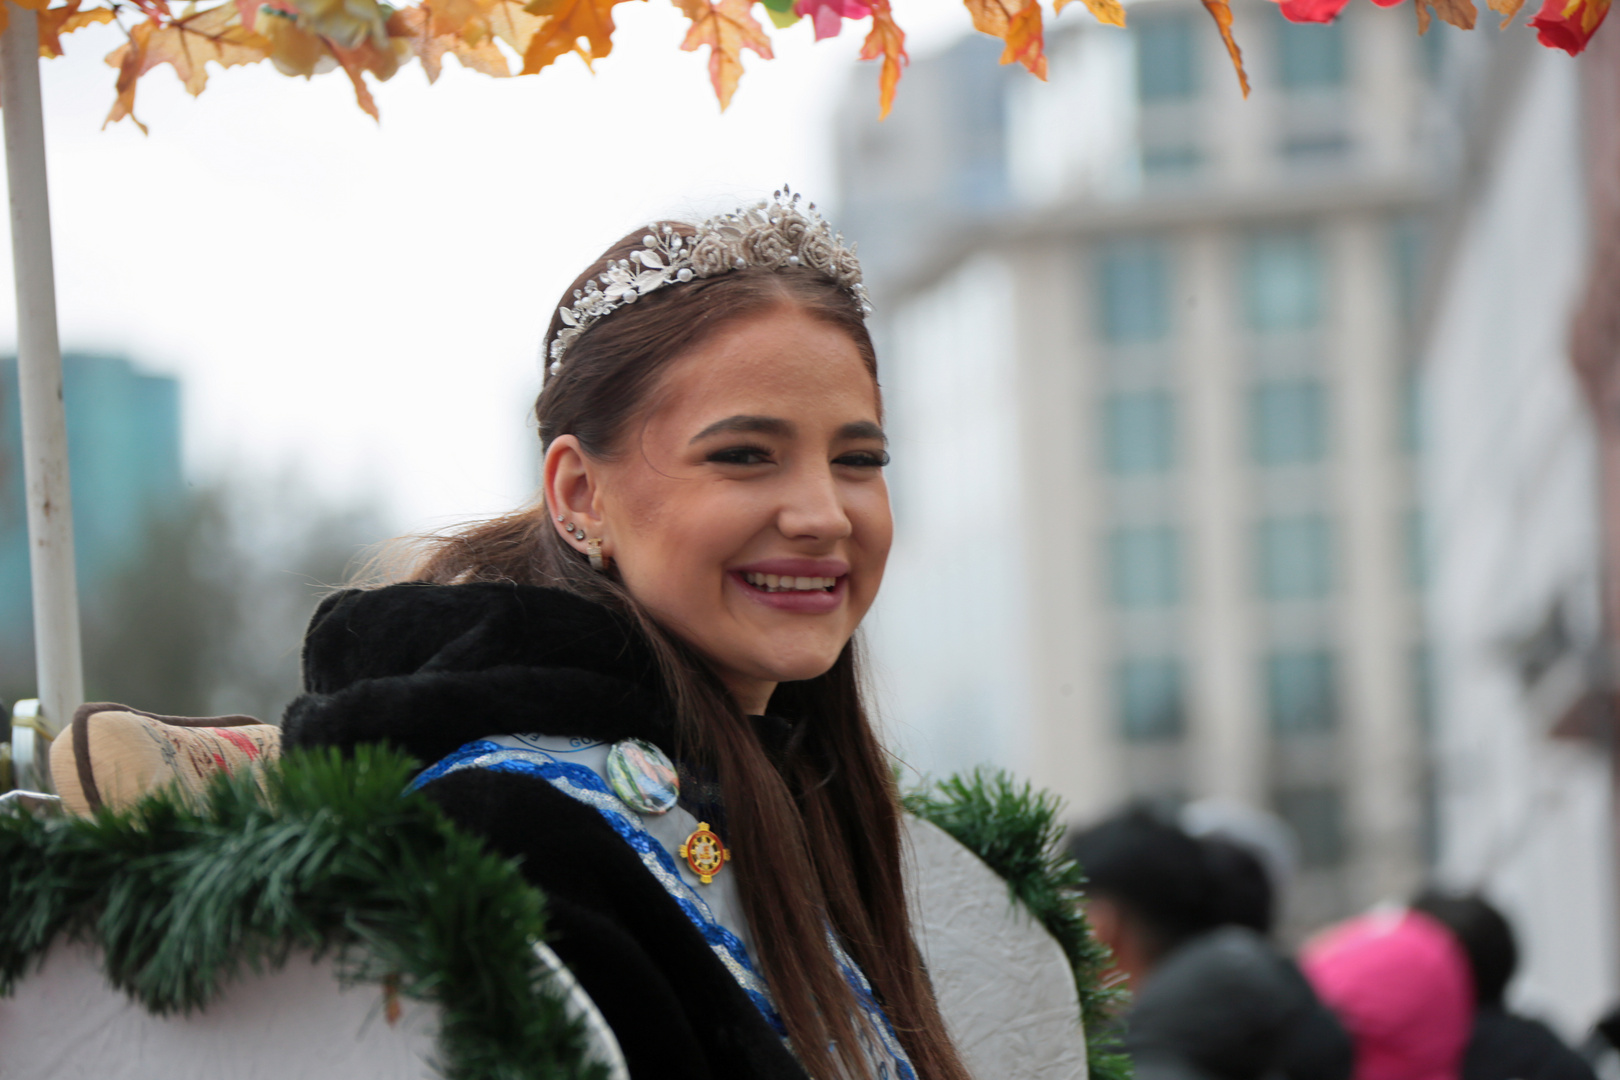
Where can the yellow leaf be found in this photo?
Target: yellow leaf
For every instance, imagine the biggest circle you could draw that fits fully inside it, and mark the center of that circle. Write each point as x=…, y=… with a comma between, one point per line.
x=1507, y=9
x=54, y=22
x=32, y=5
x=887, y=40
x=1016, y=22
x=1222, y=14
x=1107, y=12
x=581, y=26
x=509, y=22
x=727, y=27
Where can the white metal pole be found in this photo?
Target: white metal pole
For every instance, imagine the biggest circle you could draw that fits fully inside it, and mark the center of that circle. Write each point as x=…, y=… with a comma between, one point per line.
x=59, y=661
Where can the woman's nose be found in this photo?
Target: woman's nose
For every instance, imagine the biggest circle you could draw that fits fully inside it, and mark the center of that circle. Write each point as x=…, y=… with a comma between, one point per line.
x=812, y=508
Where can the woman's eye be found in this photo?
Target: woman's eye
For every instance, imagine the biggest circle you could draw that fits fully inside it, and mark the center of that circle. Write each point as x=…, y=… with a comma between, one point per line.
x=741, y=455
x=865, y=459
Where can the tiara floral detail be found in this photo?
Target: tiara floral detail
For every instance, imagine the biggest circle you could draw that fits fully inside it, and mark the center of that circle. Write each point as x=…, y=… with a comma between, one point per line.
x=774, y=234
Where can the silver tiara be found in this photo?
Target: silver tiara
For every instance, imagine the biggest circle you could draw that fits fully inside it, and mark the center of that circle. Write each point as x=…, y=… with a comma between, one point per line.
x=773, y=234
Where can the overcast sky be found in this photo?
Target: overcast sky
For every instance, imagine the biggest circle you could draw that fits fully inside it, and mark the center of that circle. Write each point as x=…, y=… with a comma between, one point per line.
x=364, y=302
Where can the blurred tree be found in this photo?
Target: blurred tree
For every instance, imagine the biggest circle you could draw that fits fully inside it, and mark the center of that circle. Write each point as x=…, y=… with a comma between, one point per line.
x=207, y=613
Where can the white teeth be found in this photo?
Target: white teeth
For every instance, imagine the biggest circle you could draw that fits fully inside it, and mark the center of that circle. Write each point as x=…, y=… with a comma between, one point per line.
x=783, y=583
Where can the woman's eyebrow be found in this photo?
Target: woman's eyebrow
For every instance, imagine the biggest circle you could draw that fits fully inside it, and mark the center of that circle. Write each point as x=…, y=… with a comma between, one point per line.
x=863, y=429
x=744, y=424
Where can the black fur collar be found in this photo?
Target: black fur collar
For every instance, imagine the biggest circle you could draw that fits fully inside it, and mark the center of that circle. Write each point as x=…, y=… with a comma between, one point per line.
x=429, y=668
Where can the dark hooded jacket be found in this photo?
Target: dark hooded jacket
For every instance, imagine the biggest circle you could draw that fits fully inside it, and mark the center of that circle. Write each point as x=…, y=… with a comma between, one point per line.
x=1225, y=1005
x=429, y=668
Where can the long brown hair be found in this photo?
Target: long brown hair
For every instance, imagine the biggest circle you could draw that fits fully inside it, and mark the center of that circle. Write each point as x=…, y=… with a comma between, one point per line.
x=817, y=835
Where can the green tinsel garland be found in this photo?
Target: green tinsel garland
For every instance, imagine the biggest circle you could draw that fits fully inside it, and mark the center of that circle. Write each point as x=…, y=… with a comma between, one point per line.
x=180, y=899
x=1015, y=831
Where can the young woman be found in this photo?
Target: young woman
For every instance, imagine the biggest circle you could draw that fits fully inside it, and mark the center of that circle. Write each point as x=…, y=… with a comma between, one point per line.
x=646, y=687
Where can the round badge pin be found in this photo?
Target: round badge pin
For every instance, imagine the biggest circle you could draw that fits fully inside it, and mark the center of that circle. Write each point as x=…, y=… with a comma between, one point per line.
x=642, y=776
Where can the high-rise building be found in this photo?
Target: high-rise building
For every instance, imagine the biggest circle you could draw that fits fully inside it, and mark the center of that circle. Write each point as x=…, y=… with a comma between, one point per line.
x=124, y=460
x=1151, y=398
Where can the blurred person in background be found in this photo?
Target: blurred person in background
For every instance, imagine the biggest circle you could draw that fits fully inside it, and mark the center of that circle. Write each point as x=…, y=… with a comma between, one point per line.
x=1502, y=1046
x=1400, y=984
x=1213, y=1000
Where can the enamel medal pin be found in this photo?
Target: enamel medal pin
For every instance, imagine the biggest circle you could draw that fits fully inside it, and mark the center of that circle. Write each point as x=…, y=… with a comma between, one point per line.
x=704, y=853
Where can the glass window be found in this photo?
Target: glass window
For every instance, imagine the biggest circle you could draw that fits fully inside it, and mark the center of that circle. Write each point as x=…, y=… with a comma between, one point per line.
x=1301, y=692
x=1151, y=701
x=1296, y=557
x=1166, y=57
x=1282, y=281
x=1145, y=565
x=1288, y=422
x=1417, y=561
x=1310, y=55
x=1317, y=817
x=1134, y=291
x=1139, y=430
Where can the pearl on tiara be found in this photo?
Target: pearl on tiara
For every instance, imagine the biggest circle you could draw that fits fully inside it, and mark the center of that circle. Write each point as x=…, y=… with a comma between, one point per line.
x=771, y=235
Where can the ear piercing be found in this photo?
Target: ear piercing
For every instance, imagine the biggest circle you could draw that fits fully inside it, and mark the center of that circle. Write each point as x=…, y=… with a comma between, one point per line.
x=593, y=550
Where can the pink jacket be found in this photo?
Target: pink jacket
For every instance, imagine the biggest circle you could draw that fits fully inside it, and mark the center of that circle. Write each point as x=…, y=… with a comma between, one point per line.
x=1400, y=983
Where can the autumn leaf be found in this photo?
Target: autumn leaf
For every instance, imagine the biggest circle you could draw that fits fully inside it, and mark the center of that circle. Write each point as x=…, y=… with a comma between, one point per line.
x=1107, y=12
x=187, y=43
x=418, y=26
x=1222, y=14
x=727, y=27
x=54, y=22
x=1459, y=13
x=581, y=26
x=887, y=40
x=828, y=15
x=1507, y=9
x=1016, y=22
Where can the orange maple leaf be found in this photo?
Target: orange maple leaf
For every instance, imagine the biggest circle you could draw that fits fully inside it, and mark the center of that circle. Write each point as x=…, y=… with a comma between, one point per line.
x=727, y=27
x=887, y=40
x=187, y=43
x=381, y=60
x=54, y=22
x=1107, y=12
x=1222, y=14
x=1016, y=22
x=581, y=26
x=472, y=43
x=1459, y=13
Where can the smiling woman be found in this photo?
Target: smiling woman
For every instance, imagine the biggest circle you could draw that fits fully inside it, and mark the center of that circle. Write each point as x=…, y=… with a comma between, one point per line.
x=646, y=685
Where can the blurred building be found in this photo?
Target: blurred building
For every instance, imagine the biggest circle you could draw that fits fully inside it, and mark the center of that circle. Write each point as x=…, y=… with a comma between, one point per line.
x=1521, y=640
x=124, y=457
x=1150, y=383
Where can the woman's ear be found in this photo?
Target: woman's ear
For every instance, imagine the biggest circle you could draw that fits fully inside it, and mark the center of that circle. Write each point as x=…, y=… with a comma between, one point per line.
x=571, y=489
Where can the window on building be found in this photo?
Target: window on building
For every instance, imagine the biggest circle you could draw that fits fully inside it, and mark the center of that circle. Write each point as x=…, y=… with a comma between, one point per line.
x=1296, y=557
x=1310, y=55
x=1139, y=430
x=1317, y=818
x=1166, y=57
x=1151, y=698
x=1134, y=291
x=1145, y=566
x=1288, y=422
x=1302, y=694
x=1416, y=544
x=1282, y=281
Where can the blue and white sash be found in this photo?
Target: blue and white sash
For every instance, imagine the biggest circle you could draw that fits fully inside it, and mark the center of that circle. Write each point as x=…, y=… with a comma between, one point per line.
x=581, y=783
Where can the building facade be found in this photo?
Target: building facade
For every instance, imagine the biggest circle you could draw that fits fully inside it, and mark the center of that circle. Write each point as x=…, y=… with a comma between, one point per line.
x=1520, y=631
x=1155, y=430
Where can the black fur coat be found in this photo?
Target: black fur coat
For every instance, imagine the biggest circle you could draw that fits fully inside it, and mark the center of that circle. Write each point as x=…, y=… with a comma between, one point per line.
x=429, y=668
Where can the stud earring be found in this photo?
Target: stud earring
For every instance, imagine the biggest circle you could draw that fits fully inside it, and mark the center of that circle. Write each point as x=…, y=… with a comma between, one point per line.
x=593, y=550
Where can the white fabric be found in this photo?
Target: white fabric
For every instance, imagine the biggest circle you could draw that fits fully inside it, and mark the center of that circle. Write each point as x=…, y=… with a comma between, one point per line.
x=66, y=1023
x=1003, y=983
